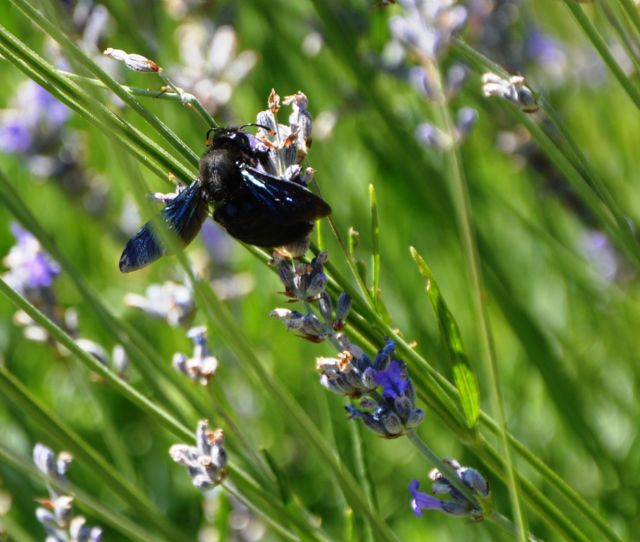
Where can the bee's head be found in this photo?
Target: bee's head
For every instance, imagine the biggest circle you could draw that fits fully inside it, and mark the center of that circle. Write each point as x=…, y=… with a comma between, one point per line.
x=237, y=139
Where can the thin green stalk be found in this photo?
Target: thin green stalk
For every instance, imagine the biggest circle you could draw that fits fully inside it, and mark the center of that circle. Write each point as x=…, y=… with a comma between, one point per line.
x=77, y=55
x=450, y=474
x=157, y=413
x=363, y=473
x=623, y=36
x=120, y=523
x=613, y=221
x=94, y=111
x=54, y=426
x=438, y=382
x=219, y=314
x=569, y=159
x=601, y=47
x=463, y=213
x=94, y=365
x=539, y=501
x=375, y=249
x=631, y=10
x=287, y=534
x=136, y=346
x=186, y=99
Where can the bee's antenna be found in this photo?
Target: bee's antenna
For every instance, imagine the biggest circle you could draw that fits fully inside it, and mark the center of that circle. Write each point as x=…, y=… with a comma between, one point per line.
x=256, y=125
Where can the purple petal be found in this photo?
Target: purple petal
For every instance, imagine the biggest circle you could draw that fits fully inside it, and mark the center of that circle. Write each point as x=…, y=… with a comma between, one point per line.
x=15, y=137
x=422, y=501
x=394, y=381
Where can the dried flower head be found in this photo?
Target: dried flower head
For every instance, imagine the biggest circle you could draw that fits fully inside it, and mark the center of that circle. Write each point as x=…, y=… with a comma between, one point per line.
x=201, y=366
x=169, y=301
x=207, y=461
x=513, y=90
x=56, y=513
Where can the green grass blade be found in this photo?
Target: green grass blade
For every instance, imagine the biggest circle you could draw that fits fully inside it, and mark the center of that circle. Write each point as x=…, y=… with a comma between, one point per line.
x=600, y=46
x=463, y=374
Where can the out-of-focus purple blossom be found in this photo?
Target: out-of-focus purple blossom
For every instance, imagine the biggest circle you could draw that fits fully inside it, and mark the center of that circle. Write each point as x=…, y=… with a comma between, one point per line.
x=35, y=128
x=33, y=121
x=458, y=505
x=465, y=121
x=432, y=137
x=210, y=66
x=30, y=269
x=169, y=301
x=15, y=135
x=601, y=254
x=427, y=26
x=549, y=53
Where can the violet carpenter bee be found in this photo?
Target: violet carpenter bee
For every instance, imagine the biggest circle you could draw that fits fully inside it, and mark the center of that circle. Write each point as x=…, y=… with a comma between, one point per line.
x=253, y=206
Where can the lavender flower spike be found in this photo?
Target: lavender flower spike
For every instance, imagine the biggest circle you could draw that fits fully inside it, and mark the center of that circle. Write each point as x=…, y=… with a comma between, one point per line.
x=390, y=412
x=458, y=504
x=206, y=462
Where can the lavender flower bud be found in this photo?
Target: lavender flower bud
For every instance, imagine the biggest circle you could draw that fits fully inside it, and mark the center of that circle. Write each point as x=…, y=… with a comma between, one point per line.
x=133, y=61
x=432, y=137
x=513, y=89
x=467, y=117
x=459, y=505
x=456, y=77
x=317, y=284
x=325, y=306
x=343, y=307
x=206, y=463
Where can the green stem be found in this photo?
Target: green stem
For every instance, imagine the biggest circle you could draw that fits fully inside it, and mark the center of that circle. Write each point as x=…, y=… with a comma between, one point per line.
x=463, y=212
x=49, y=422
x=77, y=55
x=130, y=529
x=600, y=45
x=632, y=11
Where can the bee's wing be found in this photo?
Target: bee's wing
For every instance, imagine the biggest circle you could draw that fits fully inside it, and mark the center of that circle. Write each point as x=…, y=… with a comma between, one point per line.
x=183, y=215
x=286, y=201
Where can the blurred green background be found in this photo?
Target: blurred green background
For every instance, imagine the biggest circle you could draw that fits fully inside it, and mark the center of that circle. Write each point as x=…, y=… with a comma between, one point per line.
x=561, y=296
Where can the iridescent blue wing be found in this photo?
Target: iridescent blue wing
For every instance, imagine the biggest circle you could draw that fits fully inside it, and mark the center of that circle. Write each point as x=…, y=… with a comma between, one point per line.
x=183, y=215
x=270, y=211
x=287, y=202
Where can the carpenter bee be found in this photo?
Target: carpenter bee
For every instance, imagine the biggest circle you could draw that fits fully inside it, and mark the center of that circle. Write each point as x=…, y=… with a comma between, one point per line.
x=253, y=206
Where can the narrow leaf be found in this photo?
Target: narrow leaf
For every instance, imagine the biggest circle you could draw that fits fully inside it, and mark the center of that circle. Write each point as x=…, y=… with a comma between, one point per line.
x=463, y=375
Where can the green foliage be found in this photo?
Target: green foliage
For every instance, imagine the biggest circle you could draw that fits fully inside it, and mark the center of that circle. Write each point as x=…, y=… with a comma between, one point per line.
x=540, y=399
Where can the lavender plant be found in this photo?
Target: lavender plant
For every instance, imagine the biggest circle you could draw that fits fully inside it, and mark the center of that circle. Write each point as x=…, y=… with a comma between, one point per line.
x=56, y=513
x=388, y=380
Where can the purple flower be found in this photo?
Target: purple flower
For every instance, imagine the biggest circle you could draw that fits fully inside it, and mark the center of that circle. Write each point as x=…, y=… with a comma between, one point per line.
x=30, y=268
x=15, y=135
x=48, y=107
x=390, y=412
x=35, y=118
x=422, y=501
x=456, y=504
x=383, y=357
x=394, y=381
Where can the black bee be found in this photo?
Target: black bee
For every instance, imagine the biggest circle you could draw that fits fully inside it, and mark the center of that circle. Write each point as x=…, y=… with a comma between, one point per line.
x=253, y=206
